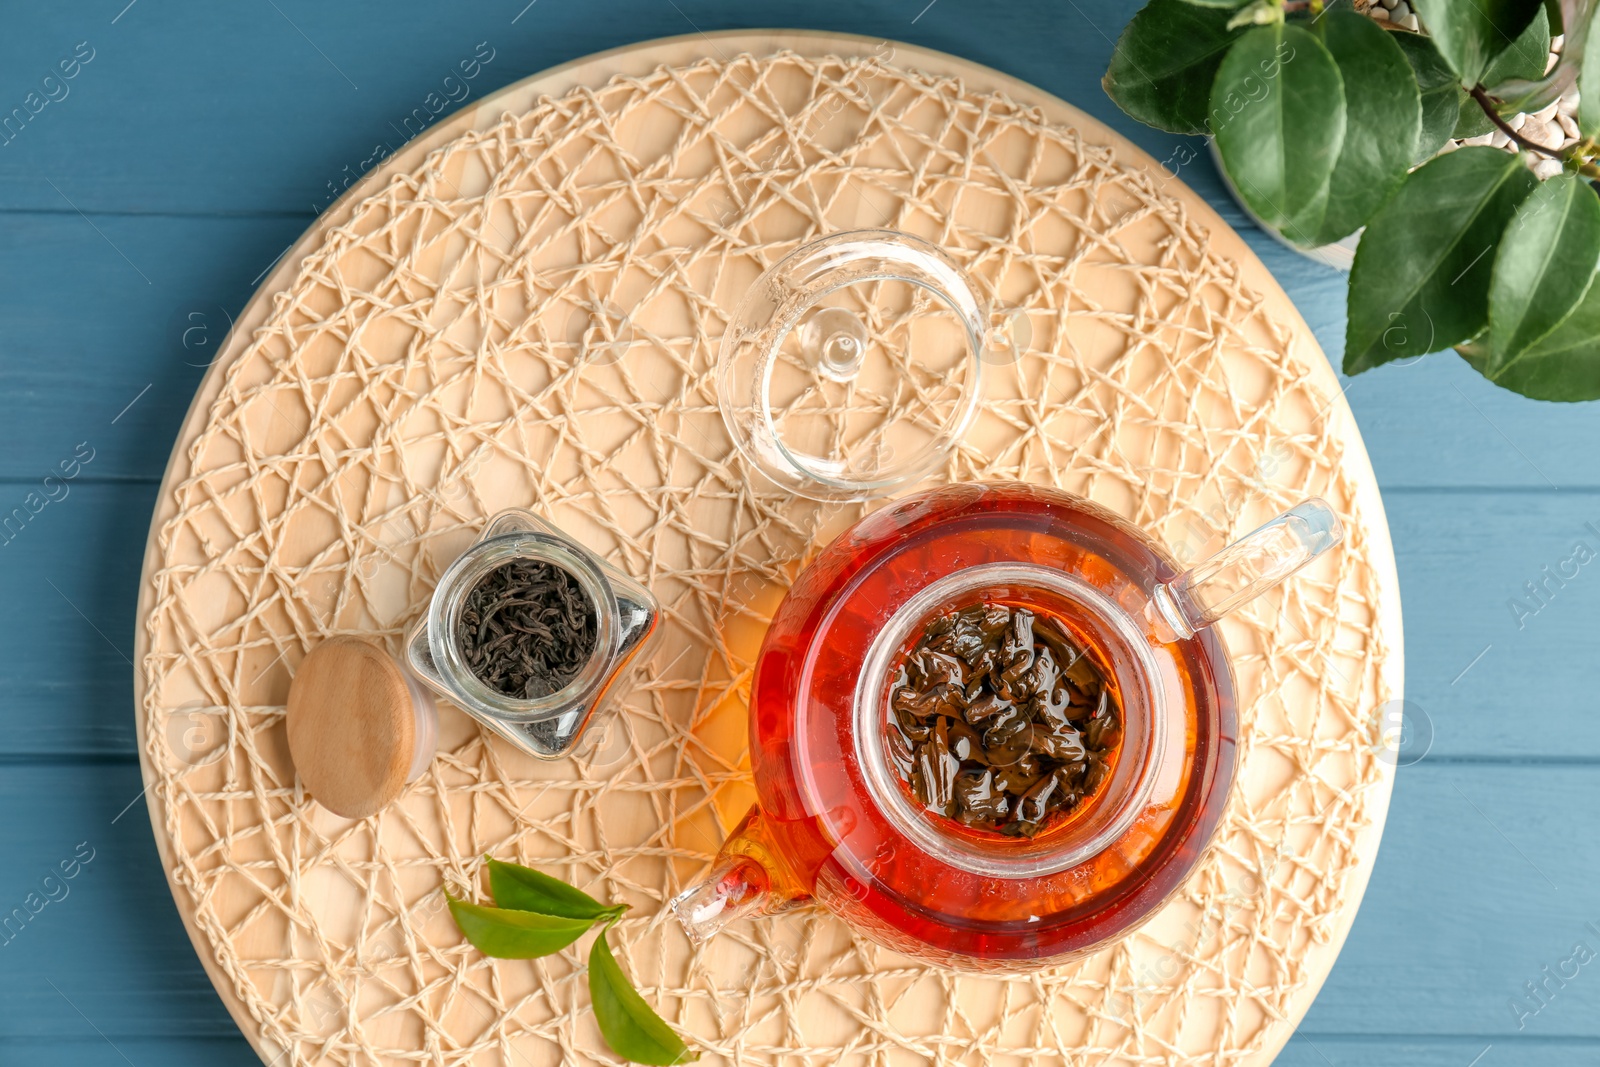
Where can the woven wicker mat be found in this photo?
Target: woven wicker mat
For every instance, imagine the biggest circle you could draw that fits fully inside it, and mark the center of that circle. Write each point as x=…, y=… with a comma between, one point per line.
x=522, y=309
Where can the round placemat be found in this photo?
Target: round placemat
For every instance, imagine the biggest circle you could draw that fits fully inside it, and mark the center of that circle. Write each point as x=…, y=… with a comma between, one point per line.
x=521, y=309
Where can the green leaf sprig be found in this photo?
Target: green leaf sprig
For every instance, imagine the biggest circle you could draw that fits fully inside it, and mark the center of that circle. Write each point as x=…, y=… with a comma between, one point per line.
x=537, y=915
x=1329, y=123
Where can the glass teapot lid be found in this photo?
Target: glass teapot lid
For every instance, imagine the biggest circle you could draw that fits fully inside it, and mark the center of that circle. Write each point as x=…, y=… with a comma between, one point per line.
x=853, y=365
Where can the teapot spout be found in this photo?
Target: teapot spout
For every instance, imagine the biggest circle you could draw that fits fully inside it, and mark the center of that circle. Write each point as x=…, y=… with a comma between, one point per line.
x=739, y=885
x=735, y=888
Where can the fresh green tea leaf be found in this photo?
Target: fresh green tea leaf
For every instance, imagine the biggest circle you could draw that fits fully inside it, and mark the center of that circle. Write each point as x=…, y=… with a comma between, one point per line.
x=1525, y=58
x=1383, y=111
x=1441, y=95
x=630, y=1027
x=1589, y=86
x=1547, y=259
x=1229, y=4
x=1563, y=366
x=1471, y=33
x=1162, y=68
x=1420, y=282
x=1277, y=110
x=515, y=935
x=525, y=889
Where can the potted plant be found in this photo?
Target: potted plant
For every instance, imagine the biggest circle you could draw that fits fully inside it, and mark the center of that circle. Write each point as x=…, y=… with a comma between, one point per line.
x=1328, y=121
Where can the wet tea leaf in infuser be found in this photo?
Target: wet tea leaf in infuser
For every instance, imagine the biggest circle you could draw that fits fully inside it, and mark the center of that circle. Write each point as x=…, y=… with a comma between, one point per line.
x=1000, y=719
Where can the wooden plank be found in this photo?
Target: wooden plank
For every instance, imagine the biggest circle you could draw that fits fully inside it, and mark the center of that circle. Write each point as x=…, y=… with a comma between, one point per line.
x=1493, y=679
x=87, y=336
x=1455, y=921
x=1438, y=422
x=1478, y=887
x=96, y=1051
x=94, y=353
x=1461, y=556
x=1323, y=1050
x=109, y=943
x=1434, y=422
x=74, y=567
x=76, y=561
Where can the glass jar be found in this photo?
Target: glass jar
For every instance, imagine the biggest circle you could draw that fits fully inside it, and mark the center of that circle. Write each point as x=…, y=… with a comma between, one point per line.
x=627, y=619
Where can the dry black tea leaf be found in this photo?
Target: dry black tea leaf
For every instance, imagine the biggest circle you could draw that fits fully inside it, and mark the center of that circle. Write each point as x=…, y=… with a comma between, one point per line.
x=527, y=629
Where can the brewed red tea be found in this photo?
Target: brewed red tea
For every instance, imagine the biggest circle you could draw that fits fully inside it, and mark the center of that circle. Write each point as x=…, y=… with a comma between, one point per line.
x=841, y=821
x=1001, y=719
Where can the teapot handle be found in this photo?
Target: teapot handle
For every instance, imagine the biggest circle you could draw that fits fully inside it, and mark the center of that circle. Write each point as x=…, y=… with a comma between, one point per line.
x=1250, y=566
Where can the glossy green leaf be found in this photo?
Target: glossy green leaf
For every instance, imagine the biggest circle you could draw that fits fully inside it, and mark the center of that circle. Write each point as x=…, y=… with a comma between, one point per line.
x=525, y=889
x=1277, y=110
x=1563, y=366
x=1162, y=68
x=1525, y=58
x=1518, y=96
x=1537, y=93
x=1259, y=13
x=1589, y=87
x=1471, y=33
x=1474, y=121
x=515, y=935
x=1441, y=95
x=1229, y=4
x=1547, y=259
x=1383, y=111
x=1420, y=282
x=630, y=1027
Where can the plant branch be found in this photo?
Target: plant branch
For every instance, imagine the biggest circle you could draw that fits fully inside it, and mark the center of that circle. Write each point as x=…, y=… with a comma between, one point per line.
x=1486, y=102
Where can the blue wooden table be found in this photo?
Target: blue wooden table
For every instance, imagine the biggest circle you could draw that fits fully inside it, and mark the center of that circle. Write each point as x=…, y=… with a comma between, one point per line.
x=142, y=197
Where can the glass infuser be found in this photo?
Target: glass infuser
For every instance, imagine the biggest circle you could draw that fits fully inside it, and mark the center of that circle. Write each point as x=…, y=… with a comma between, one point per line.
x=827, y=335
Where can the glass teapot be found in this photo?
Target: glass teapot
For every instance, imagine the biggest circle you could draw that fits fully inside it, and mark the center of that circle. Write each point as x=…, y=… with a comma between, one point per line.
x=850, y=370
x=835, y=820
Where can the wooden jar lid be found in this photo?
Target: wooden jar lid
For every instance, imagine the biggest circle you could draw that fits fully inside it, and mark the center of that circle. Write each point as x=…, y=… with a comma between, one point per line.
x=353, y=722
